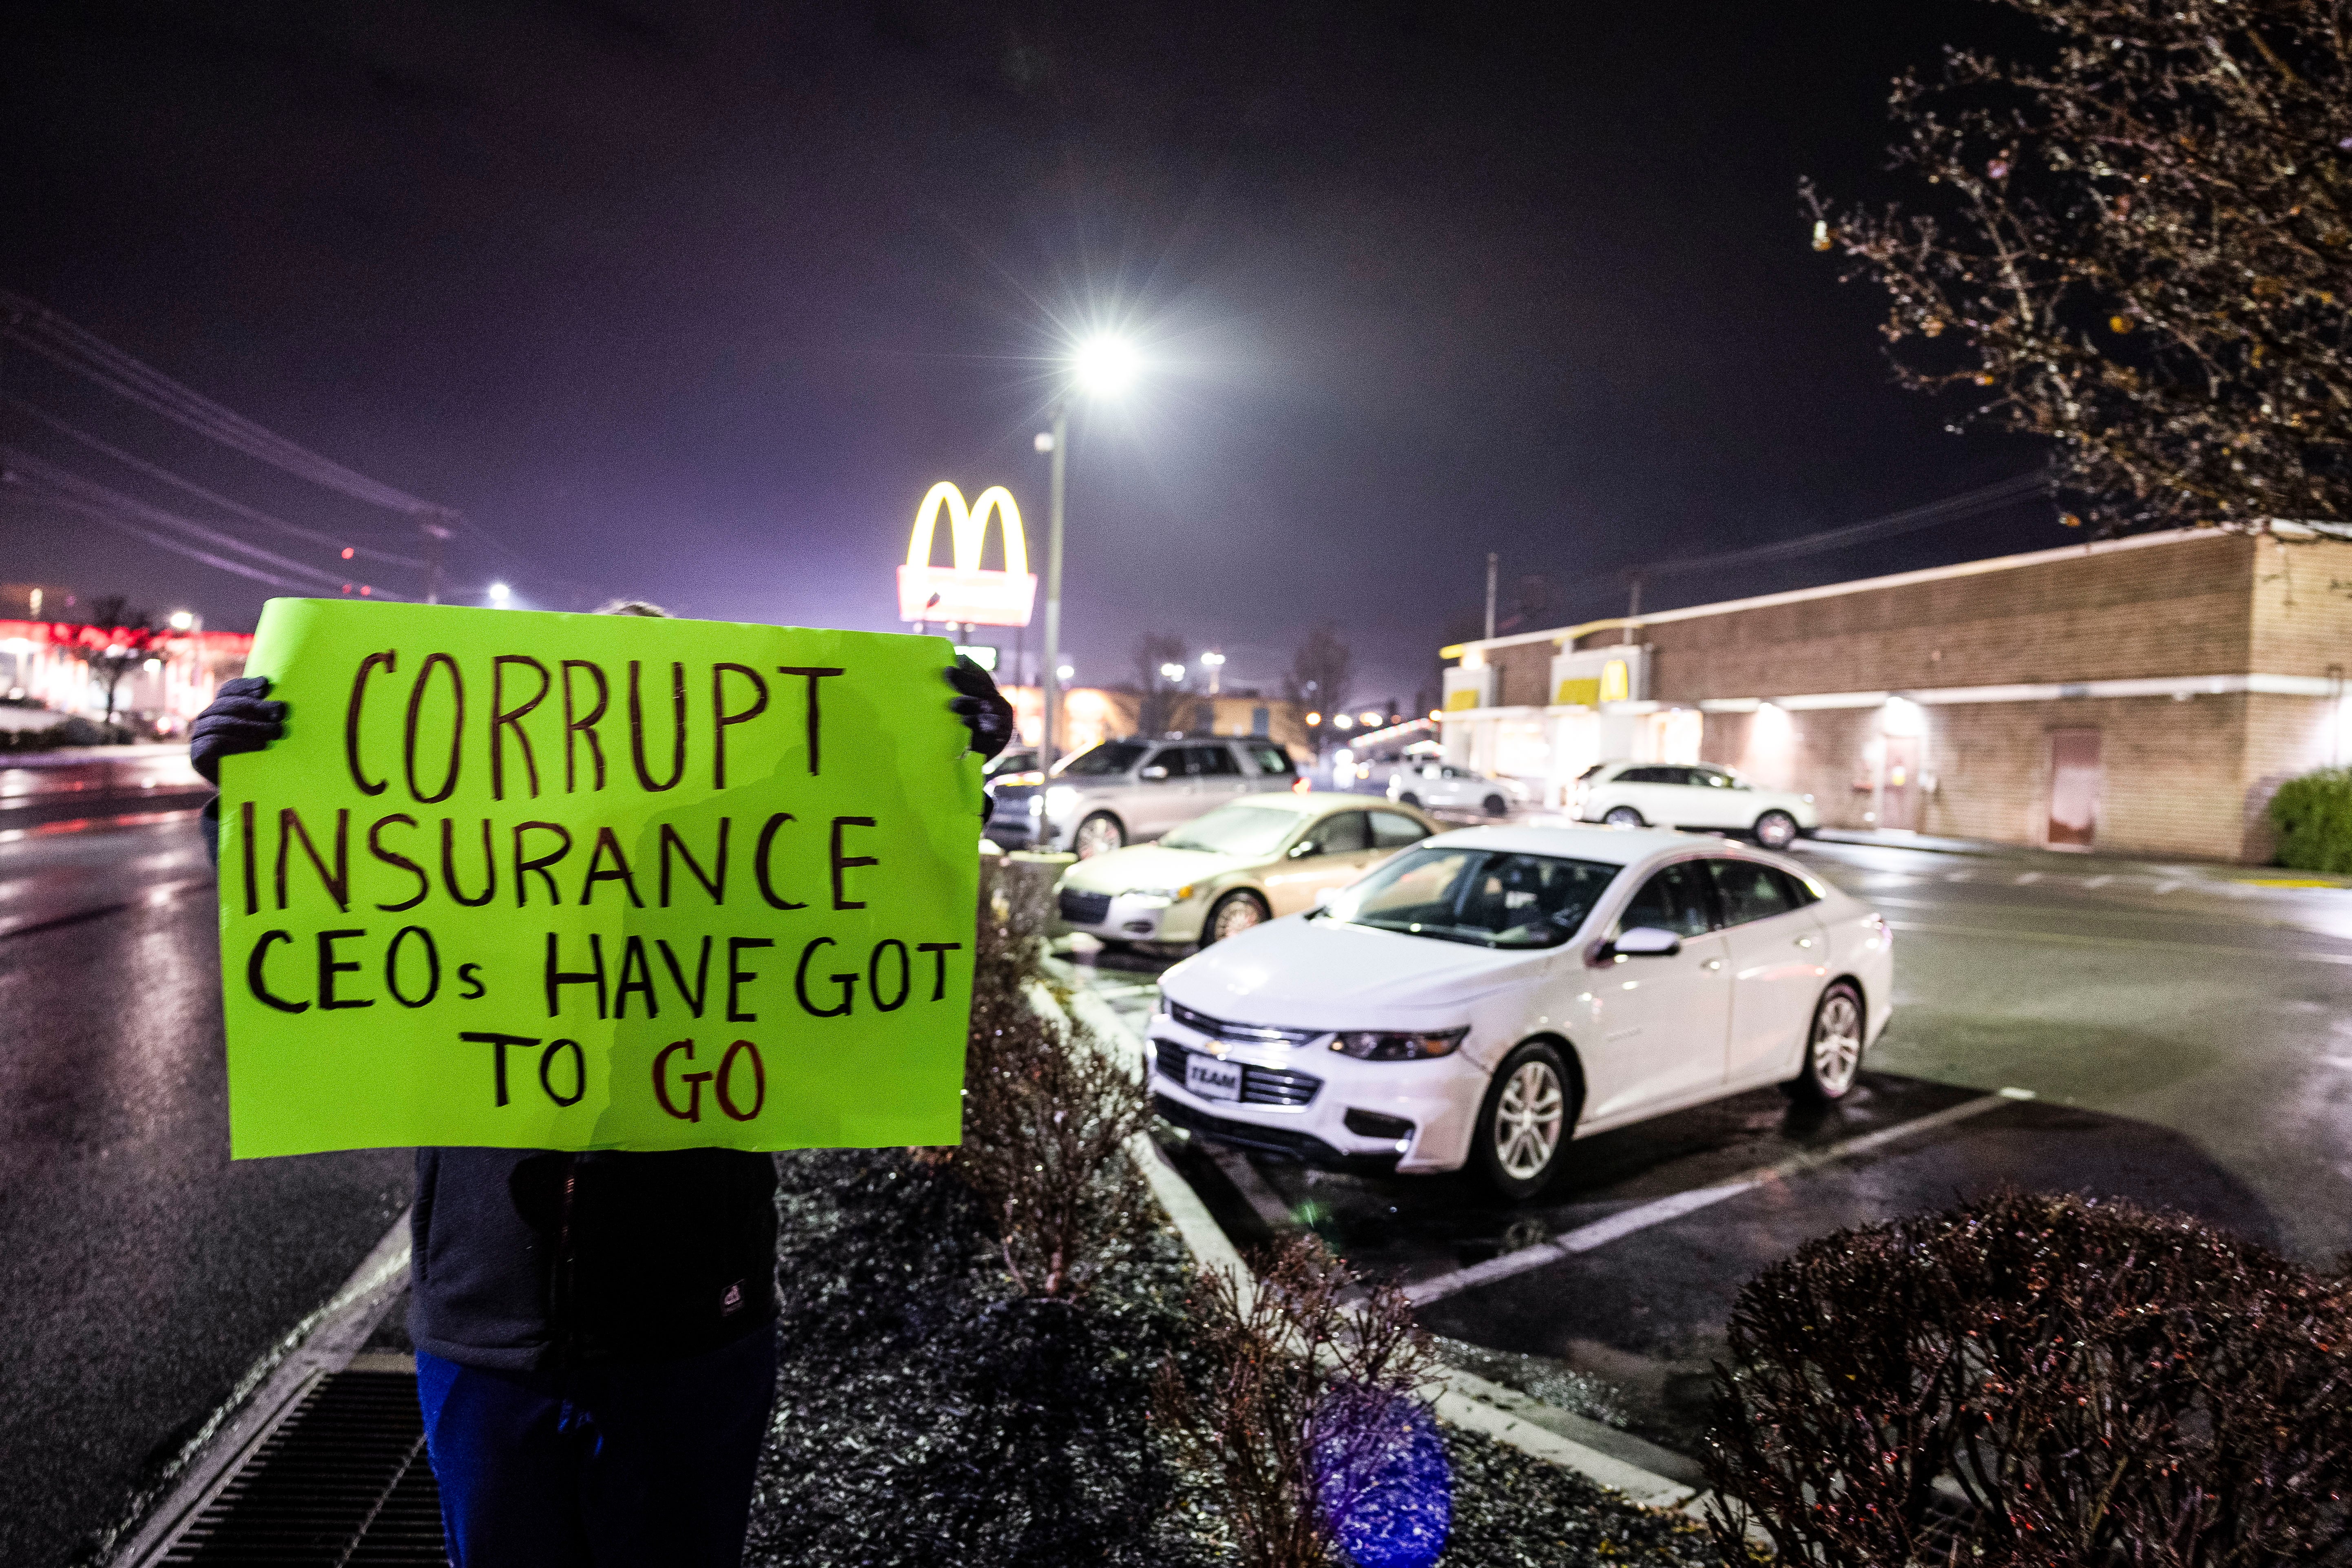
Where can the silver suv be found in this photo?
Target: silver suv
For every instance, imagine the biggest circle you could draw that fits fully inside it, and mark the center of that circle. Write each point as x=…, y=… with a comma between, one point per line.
x=1122, y=792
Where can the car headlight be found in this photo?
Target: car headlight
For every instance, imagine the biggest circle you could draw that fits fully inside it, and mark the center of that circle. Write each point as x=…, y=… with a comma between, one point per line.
x=1059, y=800
x=1165, y=895
x=1037, y=805
x=1388, y=1045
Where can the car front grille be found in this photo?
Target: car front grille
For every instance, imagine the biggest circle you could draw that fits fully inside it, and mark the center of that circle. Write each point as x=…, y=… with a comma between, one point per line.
x=1085, y=909
x=1260, y=1085
x=1253, y=1034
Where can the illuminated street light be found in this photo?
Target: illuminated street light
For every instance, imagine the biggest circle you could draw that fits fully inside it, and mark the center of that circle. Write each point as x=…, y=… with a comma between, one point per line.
x=1368, y=718
x=1215, y=663
x=1105, y=364
x=499, y=592
x=1313, y=720
x=1343, y=722
x=1101, y=365
x=1171, y=672
x=183, y=620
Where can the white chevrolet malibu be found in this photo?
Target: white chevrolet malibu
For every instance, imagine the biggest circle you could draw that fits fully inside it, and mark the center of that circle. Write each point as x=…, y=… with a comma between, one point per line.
x=1491, y=995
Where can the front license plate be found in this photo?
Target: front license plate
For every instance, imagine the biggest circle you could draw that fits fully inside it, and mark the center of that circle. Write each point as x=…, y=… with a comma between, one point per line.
x=1212, y=1080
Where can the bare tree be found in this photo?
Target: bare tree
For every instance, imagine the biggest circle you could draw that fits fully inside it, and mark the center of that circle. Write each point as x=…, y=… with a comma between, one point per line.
x=1321, y=674
x=2141, y=249
x=1164, y=704
x=114, y=640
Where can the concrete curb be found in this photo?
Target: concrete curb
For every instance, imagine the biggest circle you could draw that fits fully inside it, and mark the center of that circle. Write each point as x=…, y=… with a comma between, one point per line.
x=325, y=1342
x=1461, y=1397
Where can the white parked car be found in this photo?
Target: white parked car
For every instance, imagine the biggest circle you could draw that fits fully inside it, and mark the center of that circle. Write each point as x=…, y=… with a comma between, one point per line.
x=1691, y=794
x=1490, y=995
x=1443, y=786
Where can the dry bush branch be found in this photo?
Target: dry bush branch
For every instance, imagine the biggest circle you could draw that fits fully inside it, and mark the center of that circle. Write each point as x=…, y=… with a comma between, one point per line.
x=2105, y=1387
x=1305, y=1407
x=1048, y=1109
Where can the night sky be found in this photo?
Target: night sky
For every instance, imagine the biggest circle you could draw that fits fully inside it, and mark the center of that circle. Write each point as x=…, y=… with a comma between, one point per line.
x=694, y=302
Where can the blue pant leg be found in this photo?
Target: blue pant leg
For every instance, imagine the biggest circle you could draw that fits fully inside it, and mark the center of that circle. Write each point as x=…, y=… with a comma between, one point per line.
x=508, y=1467
x=668, y=1484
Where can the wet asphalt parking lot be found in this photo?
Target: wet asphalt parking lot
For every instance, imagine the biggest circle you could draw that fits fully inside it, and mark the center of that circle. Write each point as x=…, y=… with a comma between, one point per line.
x=2182, y=1031
x=2172, y=1035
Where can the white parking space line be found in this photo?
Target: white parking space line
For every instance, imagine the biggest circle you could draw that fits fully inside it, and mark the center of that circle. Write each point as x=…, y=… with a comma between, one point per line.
x=1642, y=1218
x=2096, y=881
x=2167, y=888
x=2027, y=879
x=1254, y=1188
x=2153, y=944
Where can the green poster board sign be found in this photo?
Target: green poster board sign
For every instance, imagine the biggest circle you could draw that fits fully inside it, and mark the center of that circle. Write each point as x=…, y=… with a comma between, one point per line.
x=558, y=881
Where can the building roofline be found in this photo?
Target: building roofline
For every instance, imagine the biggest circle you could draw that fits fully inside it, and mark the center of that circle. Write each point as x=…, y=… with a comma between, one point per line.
x=1833, y=590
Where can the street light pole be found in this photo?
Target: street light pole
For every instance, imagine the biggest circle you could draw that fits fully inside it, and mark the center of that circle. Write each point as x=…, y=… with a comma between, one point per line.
x=1050, y=681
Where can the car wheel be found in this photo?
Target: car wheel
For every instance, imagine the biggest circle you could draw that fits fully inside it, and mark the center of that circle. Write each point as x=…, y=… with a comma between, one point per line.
x=1099, y=834
x=1832, y=1048
x=1776, y=830
x=1409, y=798
x=1232, y=915
x=1521, y=1140
x=1622, y=817
x=1497, y=805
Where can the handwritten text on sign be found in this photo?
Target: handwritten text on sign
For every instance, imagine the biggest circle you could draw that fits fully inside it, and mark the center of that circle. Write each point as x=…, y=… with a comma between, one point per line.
x=560, y=881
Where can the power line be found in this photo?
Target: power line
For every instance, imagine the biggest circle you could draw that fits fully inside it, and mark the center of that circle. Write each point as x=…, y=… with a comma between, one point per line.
x=165, y=476
x=85, y=353
x=1951, y=509
x=88, y=494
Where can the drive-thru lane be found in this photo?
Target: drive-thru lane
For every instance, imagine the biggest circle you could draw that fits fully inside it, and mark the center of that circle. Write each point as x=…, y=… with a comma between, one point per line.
x=2166, y=1034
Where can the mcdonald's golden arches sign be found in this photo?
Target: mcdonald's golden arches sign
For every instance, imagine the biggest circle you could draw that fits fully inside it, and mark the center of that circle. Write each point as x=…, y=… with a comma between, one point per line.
x=965, y=593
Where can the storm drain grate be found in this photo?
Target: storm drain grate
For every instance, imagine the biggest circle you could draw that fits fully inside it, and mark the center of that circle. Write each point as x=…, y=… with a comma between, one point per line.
x=342, y=1483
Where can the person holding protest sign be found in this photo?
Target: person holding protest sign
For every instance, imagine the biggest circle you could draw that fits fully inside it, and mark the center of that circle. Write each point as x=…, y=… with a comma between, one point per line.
x=595, y=1360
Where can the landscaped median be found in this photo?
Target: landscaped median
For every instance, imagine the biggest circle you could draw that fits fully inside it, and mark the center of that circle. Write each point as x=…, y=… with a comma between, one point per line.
x=1011, y=1354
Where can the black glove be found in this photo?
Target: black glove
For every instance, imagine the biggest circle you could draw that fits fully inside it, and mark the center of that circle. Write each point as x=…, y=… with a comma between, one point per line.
x=981, y=707
x=237, y=721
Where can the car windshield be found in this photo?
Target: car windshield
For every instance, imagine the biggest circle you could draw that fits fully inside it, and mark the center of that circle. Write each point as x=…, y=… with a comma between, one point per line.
x=1110, y=757
x=1489, y=897
x=1237, y=829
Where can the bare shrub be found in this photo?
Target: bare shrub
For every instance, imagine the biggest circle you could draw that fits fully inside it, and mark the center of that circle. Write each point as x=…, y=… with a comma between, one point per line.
x=2101, y=1384
x=1303, y=1405
x=1048, y=1109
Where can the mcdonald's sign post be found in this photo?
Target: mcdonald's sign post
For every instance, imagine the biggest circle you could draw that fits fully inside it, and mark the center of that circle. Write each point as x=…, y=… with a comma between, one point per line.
x=965, y=593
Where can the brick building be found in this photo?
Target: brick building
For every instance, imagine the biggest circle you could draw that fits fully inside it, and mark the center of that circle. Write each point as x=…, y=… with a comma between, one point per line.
x=2145, y=694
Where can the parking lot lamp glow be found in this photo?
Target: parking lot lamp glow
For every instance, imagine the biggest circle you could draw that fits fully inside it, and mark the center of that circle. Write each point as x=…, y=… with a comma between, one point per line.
x=1101, y=365
x=1171, y=672
x=500, y=594
x=1105, y=364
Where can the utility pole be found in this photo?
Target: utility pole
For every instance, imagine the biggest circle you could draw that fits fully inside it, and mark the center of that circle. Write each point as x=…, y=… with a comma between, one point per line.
x=1492, y=562
x=435, y=534
x=1050, y=682
x=1632, y=608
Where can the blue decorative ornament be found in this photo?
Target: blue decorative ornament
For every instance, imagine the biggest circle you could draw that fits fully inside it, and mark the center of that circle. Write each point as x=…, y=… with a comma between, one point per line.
x=1381, y=1482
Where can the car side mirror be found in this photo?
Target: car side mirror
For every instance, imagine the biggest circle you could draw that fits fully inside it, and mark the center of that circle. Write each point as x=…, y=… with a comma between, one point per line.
x=1644, y=941
x=1155, y=772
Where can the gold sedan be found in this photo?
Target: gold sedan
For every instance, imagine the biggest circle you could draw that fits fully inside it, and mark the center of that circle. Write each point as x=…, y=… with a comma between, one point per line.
x=1238, y=865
